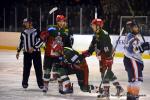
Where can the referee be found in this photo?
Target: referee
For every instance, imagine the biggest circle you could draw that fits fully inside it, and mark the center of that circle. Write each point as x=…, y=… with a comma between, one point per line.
x=31, y=52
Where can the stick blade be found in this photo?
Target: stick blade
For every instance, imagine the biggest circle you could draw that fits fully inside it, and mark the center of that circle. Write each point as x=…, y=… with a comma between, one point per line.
x=53, y=10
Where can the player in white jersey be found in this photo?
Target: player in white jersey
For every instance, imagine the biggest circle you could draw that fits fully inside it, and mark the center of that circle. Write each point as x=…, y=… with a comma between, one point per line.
x=133, y=61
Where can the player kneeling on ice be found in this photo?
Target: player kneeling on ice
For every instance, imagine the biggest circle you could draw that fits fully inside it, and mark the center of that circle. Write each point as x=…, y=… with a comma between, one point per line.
x=101, y=44
x=75, y=63
x=71, y=62
x=133, y=61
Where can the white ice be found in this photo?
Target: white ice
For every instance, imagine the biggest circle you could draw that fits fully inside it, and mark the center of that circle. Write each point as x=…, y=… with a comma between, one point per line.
x=11, y=77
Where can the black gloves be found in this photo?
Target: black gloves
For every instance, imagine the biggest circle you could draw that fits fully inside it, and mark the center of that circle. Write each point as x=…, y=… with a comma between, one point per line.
x=145, y=46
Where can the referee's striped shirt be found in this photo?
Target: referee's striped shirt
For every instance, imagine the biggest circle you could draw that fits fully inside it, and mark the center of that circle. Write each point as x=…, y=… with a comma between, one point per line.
x=30, y=38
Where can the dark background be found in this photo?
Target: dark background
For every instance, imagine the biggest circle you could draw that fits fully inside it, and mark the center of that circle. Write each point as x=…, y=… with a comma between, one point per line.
x=109, y=10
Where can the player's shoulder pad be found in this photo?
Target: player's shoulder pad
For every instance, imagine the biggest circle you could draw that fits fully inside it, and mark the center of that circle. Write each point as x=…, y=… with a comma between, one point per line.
x=52, y=28
x=130, y=36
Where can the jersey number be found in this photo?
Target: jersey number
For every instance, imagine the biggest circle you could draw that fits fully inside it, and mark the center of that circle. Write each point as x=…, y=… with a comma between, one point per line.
x=106, y=49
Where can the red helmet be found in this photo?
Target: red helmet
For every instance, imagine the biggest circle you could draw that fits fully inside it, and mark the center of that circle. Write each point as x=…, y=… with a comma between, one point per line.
x=98, y=22
x=60, y=17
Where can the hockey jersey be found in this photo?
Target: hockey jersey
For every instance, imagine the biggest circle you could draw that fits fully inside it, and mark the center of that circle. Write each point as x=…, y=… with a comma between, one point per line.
x=55, y=36
x=71, y=56
x=101, y=44
x=131, y=43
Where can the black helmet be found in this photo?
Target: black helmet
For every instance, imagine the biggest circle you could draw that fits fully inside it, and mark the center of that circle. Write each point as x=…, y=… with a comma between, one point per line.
x=27, y=20
x=132, y=23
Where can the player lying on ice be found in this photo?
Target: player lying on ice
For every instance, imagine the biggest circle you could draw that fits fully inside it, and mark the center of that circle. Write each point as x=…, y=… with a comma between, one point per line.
x=133, y=62
x=101, y=44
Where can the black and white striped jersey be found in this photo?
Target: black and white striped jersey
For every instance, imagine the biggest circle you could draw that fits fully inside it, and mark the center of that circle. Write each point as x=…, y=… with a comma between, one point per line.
x=30, y=38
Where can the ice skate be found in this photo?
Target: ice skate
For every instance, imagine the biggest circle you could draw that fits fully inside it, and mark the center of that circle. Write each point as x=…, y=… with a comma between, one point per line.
x=45, y=89
x=103, y=96
x=93, y=89
x=54, y=76
x=120, y=90
x=67, y=89
x=104, y=93
x=25, y=86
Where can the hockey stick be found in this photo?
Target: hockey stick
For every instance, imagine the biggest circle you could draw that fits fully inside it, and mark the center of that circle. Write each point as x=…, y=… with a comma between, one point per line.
x=52, y=73
x=142, y=35
x=53, y=10
x=130, y=8
x=117, y=42
x=100, y=86
x=95, y=13
x=101, y=89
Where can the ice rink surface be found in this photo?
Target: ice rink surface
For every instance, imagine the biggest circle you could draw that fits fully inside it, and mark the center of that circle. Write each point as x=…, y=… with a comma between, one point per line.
x=11, y=77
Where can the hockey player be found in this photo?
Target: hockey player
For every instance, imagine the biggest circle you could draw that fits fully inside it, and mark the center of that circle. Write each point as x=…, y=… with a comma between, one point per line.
x=74, y=63
x=55, y=38
x=133, y=61
x=101, y=44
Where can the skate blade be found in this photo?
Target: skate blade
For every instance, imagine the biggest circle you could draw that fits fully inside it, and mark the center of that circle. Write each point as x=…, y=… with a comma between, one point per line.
x=44, y=93
x=67, y=95
x=53, y=81
x=104, y=98
x=119, y=96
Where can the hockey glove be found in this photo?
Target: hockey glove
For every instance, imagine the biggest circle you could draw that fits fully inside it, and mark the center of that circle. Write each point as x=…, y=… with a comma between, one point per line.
x=17, y=55
x=44, y=35
x=144, y=46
